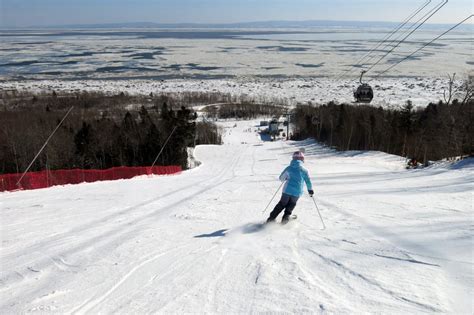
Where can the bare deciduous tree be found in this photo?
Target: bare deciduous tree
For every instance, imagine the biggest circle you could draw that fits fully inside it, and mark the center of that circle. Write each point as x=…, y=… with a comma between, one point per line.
x=448, y=95
x=467, y=91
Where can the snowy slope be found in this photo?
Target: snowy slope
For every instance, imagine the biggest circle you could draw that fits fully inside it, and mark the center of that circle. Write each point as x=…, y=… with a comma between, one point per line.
x=397, y=241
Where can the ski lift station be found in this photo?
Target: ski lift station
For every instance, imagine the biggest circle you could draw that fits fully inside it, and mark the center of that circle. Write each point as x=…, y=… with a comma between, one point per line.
x=273, y=128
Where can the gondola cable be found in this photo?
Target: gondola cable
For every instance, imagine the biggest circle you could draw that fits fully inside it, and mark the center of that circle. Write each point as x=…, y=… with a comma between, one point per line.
x=387, y=45
x=436, y=9
x=422, y=47
x=364, y=92
x=386, y=38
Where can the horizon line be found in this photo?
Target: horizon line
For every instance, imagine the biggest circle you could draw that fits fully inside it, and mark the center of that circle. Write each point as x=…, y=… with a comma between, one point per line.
x=197, y=24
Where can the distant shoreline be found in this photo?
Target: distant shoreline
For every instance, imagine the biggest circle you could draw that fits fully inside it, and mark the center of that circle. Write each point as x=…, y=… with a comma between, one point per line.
x=241, y=25
x=199, y=77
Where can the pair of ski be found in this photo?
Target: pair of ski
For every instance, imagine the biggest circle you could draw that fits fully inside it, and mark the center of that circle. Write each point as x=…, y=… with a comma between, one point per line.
x=290, y=218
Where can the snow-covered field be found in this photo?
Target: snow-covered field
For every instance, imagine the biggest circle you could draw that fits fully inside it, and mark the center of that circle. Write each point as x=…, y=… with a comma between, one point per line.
x=397, y=241
x=388, y=92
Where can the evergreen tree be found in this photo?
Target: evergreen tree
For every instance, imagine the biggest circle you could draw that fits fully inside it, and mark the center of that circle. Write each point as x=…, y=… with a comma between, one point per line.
x=83, y=141
x=131, y=140
x=151, y=146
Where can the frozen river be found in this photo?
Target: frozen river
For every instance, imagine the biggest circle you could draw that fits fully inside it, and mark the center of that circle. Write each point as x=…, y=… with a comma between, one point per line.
x=217, y=54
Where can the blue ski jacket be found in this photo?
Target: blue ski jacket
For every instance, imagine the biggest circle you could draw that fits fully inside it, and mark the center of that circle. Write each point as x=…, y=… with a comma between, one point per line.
x=295, y=176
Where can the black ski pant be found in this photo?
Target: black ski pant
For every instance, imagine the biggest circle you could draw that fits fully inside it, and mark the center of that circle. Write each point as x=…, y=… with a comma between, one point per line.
x=287, y=203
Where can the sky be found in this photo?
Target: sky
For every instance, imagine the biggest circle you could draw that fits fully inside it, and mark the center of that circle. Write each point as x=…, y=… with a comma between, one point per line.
x=22, y=13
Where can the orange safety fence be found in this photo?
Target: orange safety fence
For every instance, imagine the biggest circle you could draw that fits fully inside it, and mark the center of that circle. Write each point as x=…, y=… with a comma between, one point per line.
x=44, y=179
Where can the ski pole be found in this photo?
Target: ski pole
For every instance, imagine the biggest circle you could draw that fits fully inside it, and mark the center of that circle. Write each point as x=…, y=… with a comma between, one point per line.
x=324, y=226
x=273, y=197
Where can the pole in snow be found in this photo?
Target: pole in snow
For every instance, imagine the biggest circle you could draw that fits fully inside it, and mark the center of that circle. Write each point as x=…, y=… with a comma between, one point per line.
x=44, y=145
x=164, y=145
x=324, y=226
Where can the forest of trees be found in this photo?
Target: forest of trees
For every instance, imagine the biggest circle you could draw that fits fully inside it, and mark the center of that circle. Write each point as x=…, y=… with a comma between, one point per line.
x=435, y=132
x=102, y=131
x=106, y=130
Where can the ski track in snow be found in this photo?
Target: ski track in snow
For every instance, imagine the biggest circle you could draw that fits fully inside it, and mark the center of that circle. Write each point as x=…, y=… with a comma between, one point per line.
x=397, y=241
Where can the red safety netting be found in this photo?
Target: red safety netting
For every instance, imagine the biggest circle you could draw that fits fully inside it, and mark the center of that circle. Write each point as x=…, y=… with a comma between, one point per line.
x=44, y=179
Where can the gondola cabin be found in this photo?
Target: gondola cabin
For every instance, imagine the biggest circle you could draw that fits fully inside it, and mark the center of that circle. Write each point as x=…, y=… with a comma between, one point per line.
x=364, y=93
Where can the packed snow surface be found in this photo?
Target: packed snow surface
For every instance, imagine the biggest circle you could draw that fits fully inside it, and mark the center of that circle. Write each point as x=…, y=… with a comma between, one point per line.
x=397, y=241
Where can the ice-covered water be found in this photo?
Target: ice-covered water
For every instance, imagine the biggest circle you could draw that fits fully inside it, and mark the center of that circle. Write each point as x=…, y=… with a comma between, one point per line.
x=166, y=54
x=290, y=66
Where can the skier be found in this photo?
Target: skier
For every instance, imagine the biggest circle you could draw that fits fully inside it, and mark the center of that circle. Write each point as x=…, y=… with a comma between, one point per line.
x=294, y=176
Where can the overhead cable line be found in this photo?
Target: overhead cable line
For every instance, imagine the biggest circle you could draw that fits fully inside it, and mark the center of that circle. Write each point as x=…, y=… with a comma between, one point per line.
x=430, y=14
x=387, y=37
x=397, y=29
x=410, y=28
x=422, y=47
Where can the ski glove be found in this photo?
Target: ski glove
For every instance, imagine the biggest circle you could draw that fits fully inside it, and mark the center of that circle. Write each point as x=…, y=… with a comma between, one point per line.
x=311, y=192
